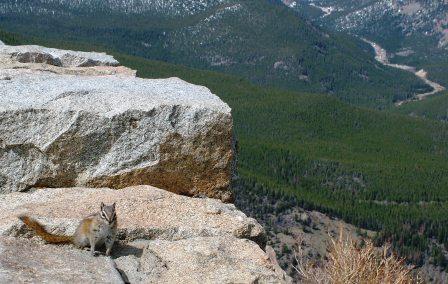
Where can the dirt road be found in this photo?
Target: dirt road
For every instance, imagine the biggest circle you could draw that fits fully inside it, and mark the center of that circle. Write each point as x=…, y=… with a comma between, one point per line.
x=381, y=56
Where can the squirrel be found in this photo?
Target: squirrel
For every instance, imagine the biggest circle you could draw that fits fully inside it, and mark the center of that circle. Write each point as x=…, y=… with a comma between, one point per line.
x=94, y=230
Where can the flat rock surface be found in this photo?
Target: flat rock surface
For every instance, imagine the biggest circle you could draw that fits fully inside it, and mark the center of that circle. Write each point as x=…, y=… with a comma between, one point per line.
x=57, y=57
x=23, y=261
x=106, y=96
x=200, y=260
x=97, y=125
x=144, y=212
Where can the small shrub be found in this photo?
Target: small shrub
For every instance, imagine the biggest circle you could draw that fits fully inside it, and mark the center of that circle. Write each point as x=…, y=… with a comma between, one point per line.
x=349, y=263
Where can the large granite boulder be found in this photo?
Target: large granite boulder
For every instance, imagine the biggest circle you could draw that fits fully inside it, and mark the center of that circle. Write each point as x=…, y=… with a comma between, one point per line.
x=71, y=119
x=163, y=237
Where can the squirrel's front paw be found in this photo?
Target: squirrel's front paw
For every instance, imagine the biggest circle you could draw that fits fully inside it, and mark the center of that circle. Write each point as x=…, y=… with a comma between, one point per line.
x=95, y=253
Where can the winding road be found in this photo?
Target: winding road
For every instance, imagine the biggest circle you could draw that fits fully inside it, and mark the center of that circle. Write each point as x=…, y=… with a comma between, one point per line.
x=381, y=56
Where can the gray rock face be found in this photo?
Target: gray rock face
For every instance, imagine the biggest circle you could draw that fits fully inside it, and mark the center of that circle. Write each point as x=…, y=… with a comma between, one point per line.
x=62, y=125
x=163, y=237
x=23, y=261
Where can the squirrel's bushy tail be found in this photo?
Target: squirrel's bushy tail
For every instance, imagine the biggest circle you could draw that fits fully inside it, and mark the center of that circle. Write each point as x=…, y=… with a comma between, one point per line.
x=43, y=233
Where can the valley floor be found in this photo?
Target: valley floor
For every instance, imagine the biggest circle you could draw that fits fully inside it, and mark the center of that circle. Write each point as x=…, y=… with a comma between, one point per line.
x=381, y=56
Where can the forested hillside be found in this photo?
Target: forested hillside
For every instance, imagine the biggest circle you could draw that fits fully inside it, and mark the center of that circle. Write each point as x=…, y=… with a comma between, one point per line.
x=376, y=170
x=263, y=41
x=435, y=107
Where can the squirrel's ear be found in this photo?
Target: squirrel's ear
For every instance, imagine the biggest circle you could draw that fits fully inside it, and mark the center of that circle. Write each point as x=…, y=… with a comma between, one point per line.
x=102, y=205
x=113, y=205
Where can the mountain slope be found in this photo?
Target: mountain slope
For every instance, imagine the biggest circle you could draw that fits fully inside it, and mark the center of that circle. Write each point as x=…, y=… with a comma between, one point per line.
x=415, y=32
x=389, y=21
x=260, y=40
x=435, y=107
x=170, y=8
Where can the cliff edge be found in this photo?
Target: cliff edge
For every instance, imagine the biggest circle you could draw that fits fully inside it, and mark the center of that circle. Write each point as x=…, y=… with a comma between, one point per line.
x=77, y=129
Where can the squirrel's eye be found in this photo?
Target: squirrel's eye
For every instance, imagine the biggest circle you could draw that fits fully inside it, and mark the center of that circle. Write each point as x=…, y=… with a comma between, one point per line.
x=103, y=215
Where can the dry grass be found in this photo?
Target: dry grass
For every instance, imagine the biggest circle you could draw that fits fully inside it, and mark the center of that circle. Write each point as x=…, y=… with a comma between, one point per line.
x=349, y=263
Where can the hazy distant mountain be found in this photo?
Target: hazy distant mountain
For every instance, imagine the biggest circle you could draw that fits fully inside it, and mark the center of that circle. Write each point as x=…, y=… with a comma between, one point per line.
x=414, y=31
x=73, y=7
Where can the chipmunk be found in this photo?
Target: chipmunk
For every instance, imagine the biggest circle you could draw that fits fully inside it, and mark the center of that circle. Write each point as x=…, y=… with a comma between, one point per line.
x=95, y=230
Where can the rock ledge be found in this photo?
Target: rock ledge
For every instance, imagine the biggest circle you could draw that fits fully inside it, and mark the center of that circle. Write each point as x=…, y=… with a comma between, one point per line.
x=163, y=237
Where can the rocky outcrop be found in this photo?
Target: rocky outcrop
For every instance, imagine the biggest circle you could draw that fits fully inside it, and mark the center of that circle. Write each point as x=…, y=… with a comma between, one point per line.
x=76, y=129
x=77, y=119
x=163, y=237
